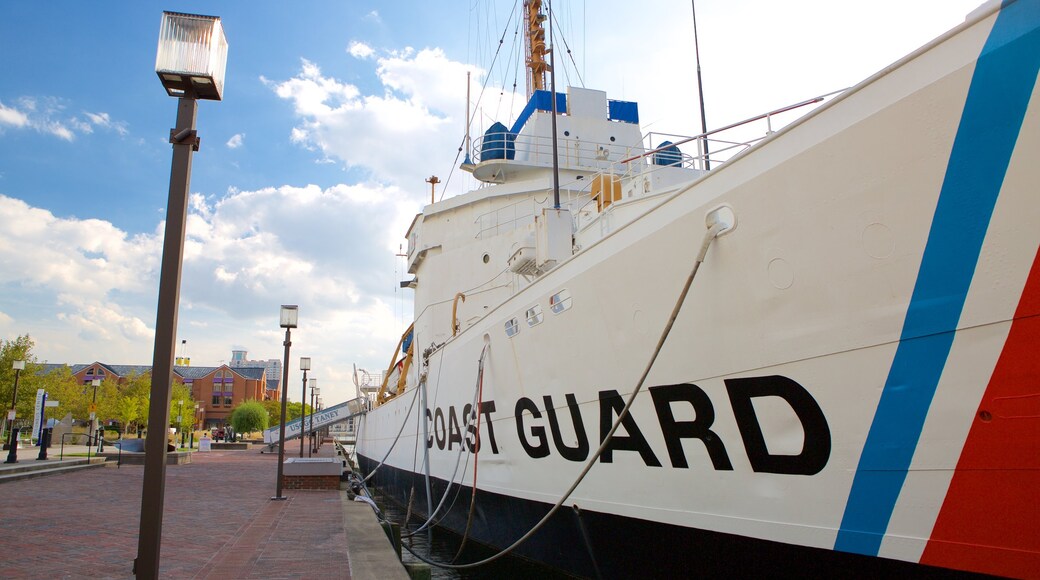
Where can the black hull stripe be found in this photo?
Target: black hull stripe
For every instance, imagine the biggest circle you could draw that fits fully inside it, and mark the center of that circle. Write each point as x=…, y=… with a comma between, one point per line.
x=629, y=547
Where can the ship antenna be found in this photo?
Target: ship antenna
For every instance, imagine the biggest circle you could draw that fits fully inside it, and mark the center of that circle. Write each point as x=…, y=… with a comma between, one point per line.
x=703, y=142
x=469, y=144
x=552, y=89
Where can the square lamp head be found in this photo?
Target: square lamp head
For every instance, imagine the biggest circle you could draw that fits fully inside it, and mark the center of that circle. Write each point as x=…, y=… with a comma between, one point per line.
x=18, y=365
x=192, y=56
x=305, y=363
x=289, y=316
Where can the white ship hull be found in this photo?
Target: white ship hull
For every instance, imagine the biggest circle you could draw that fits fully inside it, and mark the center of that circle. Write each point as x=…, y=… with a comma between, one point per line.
x=851, y=384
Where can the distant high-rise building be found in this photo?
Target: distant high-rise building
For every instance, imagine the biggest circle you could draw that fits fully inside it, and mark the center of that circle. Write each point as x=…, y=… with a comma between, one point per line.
x=272, y=366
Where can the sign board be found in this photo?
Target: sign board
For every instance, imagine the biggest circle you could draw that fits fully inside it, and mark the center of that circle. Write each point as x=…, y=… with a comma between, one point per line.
x=204, y=444
x=41, y=398
x=92, y=407
x=322, y=419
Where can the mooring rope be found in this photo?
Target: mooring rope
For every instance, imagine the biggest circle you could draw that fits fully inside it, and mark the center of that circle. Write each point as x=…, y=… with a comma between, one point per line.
x=708, y=238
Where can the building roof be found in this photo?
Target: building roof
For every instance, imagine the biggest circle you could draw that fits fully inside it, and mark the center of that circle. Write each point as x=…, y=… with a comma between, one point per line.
x=127, y=370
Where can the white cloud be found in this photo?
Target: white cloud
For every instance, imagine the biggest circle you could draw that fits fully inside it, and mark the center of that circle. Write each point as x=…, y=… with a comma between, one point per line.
x=359, y=49
x=105, y=121
x=236, y=141
x=419, y=115
x=245, y=254
x=46, y=115
x=12, y=117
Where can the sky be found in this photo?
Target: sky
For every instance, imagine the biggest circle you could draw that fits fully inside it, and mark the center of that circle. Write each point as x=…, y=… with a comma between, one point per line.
x=313, y=166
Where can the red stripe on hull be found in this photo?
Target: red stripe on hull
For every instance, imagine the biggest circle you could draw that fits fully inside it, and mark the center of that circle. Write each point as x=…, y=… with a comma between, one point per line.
x=990, y=519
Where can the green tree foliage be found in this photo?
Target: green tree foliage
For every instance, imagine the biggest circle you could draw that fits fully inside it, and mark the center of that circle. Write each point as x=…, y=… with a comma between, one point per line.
x=182, y=406
x=293, y=411
x=274, y=412
x=249, y=417
x=127, y=412
x=10, y=351
x=137, y=388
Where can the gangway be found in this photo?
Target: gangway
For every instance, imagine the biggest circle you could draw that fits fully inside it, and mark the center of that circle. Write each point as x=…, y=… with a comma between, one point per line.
x=321, y=419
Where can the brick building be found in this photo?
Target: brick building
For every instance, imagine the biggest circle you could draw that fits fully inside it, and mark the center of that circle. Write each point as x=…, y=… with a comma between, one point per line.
x=216, y=389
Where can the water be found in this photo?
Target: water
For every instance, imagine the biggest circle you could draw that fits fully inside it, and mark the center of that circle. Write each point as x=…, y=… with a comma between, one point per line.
x=446, y=544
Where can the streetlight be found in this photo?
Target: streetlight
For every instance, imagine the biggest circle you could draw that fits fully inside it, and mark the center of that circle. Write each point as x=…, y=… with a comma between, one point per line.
x=305, y=365
x=180, y=419
x=93, y=410
x=194, y=425
x=314, y=394
x=12, y=442
x=190, y=61
x=321, y=407
x=287, y=319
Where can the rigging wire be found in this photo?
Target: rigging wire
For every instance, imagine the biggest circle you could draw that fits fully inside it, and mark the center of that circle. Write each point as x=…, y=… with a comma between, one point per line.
x=708, y=238
x=483, y=87
x=396, y=439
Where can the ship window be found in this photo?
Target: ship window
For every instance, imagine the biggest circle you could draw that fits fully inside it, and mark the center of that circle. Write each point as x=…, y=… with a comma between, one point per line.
x=487, y=258
x=512, y=327
x=560, y=301
x=534, y=315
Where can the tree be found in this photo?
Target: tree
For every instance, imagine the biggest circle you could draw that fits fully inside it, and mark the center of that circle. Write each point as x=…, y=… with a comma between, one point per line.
x=10, y=351
x=185, y=412
x=127, y=410
x=248, y=417
x=293, y=411
x=274, y=412
x=137, y=387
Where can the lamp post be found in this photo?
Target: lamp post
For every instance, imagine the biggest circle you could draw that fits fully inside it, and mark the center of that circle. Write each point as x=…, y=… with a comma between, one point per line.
x=190, y=61
x=12, y=442
x=305, y=365
x=314, y=395
x=180, y=419
x=93, y=411
x=194, y=425
x=321, y=407
x=288, y=318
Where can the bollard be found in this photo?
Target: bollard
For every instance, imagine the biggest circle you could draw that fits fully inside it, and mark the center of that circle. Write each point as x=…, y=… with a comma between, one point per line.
x=12, y=452
x=101, y=439
x=45, y=442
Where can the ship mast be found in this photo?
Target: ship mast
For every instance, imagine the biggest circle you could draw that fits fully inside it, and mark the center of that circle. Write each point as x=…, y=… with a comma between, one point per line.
x=534, y=42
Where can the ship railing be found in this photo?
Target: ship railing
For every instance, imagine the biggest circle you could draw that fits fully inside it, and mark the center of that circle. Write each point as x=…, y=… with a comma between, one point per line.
x=536, y=150
x=658, y=144
x=574, y=196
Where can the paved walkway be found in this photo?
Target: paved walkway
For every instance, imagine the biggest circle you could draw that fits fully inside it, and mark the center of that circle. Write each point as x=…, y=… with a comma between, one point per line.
x=218, y=522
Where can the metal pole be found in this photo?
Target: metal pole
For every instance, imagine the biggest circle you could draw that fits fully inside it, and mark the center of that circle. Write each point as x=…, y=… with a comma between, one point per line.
x=150, y=536
x=311, y=432
x=281, y=428
x=700, y=86
x=93, y=417
x=303, y=414
x=426, y=464
x=12, y=454
x=552, y=89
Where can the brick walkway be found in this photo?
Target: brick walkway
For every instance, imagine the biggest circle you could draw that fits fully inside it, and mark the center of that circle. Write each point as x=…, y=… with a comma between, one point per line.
x=218, y=522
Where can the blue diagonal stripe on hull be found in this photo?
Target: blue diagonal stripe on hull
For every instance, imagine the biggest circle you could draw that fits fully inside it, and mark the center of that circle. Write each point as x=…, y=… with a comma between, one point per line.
x=1000, y=89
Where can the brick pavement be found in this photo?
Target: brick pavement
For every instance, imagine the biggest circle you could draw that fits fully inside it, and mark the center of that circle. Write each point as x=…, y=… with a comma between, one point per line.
x=218, y=522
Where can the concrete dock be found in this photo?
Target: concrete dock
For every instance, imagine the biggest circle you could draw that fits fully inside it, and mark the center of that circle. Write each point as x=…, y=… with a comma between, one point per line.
x=219, y=522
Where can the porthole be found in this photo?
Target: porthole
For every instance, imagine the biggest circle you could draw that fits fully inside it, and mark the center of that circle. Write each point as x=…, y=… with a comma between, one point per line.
x=566, y=133
x=512, y=327
x=560, y=301
x=612, y=139
x=487, y=258
x=534, y=315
